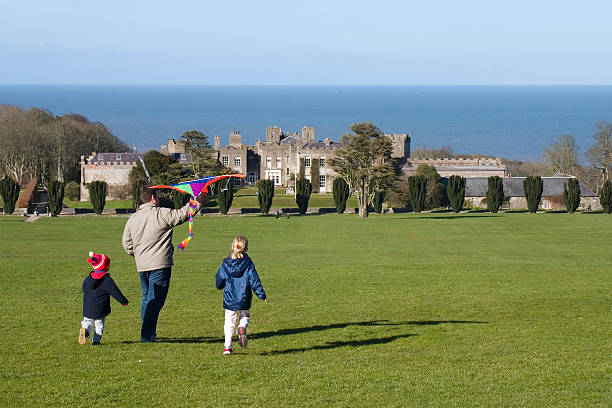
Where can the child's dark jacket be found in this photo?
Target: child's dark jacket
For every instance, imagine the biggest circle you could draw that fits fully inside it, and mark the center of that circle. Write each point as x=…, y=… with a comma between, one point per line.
x=237, y=277
x=98, y=287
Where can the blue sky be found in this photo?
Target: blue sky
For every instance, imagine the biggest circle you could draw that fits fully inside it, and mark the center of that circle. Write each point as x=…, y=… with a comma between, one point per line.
x=306, y=42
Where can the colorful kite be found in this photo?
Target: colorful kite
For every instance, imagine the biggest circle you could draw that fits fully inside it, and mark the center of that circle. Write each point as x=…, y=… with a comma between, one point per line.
x=194, y=188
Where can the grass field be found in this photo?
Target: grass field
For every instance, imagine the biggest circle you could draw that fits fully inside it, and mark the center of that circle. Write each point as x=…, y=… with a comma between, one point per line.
x=398, y=310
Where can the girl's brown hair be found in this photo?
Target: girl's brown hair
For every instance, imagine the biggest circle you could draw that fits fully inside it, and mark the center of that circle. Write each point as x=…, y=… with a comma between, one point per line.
x=239, y=247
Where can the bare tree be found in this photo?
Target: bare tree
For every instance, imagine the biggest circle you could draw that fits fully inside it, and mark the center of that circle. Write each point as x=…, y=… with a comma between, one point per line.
x=600, y=155
x=562, y=155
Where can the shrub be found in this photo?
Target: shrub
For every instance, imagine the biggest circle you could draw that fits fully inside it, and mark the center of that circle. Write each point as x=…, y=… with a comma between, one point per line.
x=605, y=197
x=9, y=190
x=377, y=202
x=456, y=192
x=97, y=195
x=341, y=194
x=56, y=197
x=266, y=194
x=179, y=199
x=417, y=190
x=315, y=174
x=28, y=193
x=571, y=195
x=303, y=190
x=226, y=195
x=436, y=190
x=73, y=191
x=533, y=187
x=137, y=186
x=495, y=193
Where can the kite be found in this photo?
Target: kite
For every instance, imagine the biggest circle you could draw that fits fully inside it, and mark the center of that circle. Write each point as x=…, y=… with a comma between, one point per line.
x=194, y=188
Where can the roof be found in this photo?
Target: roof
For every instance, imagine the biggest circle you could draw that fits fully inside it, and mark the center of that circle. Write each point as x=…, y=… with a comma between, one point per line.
x=321, y=145
x=468, y=168
x=115, y=157
x=288, y=140
x=513, y=187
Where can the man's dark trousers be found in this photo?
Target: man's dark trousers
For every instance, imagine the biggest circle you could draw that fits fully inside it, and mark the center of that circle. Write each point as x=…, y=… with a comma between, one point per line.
x=155, y=286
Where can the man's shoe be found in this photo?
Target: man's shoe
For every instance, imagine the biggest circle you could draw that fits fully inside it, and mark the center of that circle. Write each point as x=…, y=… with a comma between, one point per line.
x=95, y=343
x=83, y=336
x=227, y=352
x=151, y=340
x=242, y=337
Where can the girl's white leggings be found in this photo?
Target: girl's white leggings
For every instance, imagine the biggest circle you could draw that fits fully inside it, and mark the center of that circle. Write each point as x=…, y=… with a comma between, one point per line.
x=230, y=324
x=99, y=327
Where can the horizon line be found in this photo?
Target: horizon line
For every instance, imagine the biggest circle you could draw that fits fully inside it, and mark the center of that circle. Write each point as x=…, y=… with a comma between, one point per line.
x=297, y=85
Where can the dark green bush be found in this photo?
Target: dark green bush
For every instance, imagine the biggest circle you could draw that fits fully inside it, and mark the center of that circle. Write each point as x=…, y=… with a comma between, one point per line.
x=97, y=195
x=605, y=197
x=533, y=186
x=137, y=186
x=495, y=193
x=571, y=195
x=456, y=192
x=9, y=190
x=72, y=191
x=56, y=197
x=341, y=194
x=417, y=191
x=265, y=196
x=302, y=196
x=179, y=199
x=226, y=195
x=377, y=202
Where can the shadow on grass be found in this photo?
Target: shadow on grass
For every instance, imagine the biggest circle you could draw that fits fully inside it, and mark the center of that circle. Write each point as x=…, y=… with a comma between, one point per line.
x=466, y=216
x=338, y=344
x=316, y=328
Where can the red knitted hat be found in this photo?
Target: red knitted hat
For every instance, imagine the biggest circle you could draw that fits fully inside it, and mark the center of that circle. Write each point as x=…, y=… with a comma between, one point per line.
x=99, y=262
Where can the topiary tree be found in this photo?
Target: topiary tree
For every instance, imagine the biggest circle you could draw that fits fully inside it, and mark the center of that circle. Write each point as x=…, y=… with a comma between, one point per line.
x=605, y=197
x=56, y=197
x=302, y=196
x=315, y=174
x=533, y=187
x=97, y=195
x=226, y=195
x=137, y=186
x=179, y=199
x=495, y=193
x=571, y=195
x=265, y=196
x=417, y=191
x=377, y=202
x=72, y=191
x=341, y=193
x=436, y=190
x=9, y=190
x=456, y=192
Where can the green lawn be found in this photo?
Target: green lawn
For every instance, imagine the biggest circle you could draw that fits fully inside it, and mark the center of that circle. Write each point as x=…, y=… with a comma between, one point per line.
x=397, y=310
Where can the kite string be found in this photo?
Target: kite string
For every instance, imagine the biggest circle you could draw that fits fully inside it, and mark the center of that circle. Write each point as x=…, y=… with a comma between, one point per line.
x=193, y=205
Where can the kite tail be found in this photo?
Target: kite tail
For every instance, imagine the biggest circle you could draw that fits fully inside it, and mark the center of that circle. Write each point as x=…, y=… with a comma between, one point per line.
x=193, y=204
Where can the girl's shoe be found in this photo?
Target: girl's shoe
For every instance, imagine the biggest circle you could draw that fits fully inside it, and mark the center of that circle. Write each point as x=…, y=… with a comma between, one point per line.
x=242, y=337
x=227, y=352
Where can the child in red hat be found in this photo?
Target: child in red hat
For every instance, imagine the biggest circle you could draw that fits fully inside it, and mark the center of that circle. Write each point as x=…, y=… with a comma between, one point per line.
x=97, y=288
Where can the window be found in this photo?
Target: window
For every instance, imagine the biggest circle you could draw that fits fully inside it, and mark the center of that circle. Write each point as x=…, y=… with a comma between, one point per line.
x=322, y=181
x=307, y=162
x=276, y=178
x=252, y=177
x=268, y=162
x=278, y=162
x=225, y=160
x=322, y=162
x=287, y=160
x=237, y=161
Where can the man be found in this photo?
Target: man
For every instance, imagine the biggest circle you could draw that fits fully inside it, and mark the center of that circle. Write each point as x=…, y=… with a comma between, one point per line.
x=148, y=238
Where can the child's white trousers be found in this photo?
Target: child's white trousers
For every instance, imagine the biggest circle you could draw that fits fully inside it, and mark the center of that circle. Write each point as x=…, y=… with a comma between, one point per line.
x=98, y=324
x=230, y=324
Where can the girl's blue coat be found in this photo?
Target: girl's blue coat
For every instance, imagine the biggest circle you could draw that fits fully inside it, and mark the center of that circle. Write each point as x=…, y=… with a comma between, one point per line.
x=237, y=277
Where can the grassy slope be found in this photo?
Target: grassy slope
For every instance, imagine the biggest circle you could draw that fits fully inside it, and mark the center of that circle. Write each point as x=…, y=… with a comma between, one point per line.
x=397, y=310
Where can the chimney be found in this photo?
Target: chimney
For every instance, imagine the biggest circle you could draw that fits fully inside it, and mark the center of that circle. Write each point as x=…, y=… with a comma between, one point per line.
x=217, y=143
x=235, y=139
x=327, y=141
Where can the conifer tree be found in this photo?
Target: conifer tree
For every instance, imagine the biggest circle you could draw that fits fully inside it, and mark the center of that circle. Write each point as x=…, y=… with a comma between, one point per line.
x=304, y=189
x=377, y=202
x=456, y=192
x=495, y=193
x=314, y=174
x=97, y=195
x=56, y=197
x=226, y=195
x=265, y=196
x=417, y=191
x=605, y=197
x=533, y=187
x=341, y=194
x=571, y=195
x=137, y=186
x=9, y=190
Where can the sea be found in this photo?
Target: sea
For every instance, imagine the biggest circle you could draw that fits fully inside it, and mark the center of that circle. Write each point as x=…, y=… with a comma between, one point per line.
x=515, y=122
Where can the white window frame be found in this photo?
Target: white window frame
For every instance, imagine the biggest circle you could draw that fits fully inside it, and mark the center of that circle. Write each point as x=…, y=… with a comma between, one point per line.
x=307, y=161
x=321, y=161
x=225, y=160
x=279, y=162
x=237, y=161
x=322, y=181
x=268, y=162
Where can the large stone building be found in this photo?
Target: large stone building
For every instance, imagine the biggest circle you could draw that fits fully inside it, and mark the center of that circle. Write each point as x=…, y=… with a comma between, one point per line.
x=114, y=168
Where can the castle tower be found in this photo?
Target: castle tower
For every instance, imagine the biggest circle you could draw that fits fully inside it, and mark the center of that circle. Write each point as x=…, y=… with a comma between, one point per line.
x=235, y=139
x=273, y=134
x=308, y=134
x=401, y=145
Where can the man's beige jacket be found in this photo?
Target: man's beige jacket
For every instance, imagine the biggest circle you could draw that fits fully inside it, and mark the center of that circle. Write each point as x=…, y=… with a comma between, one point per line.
x=148, y=235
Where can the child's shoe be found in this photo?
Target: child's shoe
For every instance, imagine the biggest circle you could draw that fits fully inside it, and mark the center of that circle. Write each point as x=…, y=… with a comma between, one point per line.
x=242, y=337
x=227, y=352
x=83, y=335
